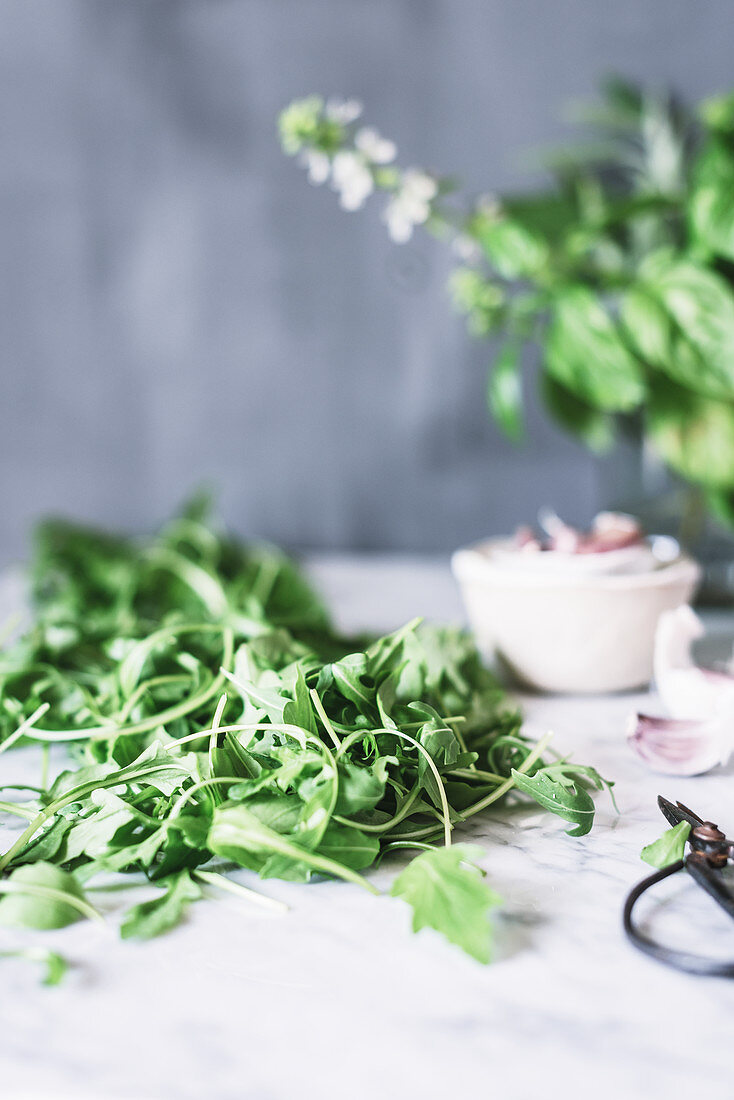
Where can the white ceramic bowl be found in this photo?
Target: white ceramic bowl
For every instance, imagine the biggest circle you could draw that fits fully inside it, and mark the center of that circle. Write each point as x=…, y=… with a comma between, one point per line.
x=569, y=632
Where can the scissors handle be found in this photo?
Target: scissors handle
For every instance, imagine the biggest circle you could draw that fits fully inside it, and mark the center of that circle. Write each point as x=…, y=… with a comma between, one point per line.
x=710, y=880
x=680, y=960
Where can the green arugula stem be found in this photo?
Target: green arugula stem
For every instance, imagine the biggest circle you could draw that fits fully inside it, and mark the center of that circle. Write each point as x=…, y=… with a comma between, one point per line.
x=213, y=878
x=401, y=813
x=24, y=727
x=215, y=730
x=19, y=811
x=508, y=784
x=74, y=795
x=180, y=710
x=142, y=688
x=477, y=774
x=324, y=718
x=447, y=826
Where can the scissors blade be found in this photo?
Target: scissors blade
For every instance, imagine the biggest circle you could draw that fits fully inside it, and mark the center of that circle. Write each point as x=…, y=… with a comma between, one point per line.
x=674, y=813
x=711, y=880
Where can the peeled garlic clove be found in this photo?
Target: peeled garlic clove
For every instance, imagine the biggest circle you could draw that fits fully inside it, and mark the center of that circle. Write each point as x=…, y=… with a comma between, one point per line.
x=681, y=746
x=561, y=537
x=686, y=690
x=525, y=540
x=612, y=531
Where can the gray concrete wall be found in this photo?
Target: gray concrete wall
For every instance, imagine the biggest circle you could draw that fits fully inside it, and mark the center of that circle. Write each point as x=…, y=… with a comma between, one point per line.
x=177, y=304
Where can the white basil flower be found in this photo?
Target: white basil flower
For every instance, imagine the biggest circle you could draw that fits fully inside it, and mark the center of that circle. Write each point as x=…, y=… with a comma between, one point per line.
x=317, y=164
x=377, y=150
x=351, y=177
x=466, y=248
x=410, y=205
x=343, y=111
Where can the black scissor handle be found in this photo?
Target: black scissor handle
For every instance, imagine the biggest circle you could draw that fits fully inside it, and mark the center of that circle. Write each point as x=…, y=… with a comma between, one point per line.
x=680, y=960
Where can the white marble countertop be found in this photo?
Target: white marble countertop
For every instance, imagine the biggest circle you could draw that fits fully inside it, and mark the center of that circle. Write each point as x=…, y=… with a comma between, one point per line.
x=338, y=999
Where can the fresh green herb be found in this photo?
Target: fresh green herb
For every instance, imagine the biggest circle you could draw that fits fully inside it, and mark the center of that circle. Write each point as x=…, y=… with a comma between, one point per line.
x=669, y=848
x=54, y=966
x=212, y=716
x=446, y=891
x=621, y=270
x=153, y=917
x=40, y=895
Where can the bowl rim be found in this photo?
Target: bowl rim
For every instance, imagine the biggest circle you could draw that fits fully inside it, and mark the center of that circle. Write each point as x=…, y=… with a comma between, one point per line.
x=469, y=563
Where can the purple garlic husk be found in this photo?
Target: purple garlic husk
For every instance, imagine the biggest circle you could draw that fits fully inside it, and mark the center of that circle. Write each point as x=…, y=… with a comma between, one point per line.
x=681, y=746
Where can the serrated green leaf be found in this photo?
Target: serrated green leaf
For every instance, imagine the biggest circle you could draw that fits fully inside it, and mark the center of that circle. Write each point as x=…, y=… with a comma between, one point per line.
x=668, y=848
x=151, y=918
x=447, y=891
x=560, y=795
x=352, y=847
x=360, y=787
x=54, y=965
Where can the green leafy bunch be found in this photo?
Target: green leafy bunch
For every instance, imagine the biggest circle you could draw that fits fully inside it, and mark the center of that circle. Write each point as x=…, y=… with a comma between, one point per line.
x=621, y=272
x=214, y=720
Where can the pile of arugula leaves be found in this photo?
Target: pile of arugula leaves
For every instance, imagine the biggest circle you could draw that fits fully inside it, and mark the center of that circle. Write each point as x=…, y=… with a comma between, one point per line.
x=214, y=720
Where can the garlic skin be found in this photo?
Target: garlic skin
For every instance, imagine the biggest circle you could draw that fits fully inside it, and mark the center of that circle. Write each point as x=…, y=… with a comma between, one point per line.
x=699, y=735
x=681, y=746
x=686, y=690
x=614, y=544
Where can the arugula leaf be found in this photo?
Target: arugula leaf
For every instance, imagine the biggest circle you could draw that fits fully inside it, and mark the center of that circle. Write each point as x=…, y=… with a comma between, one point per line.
x=361, y=787
x=328, y=752
x=40, y=895
x=150, y=918
x=668, y=848
x=350, y=846
x=54, y=965
x=447, y=891
x=554, y=790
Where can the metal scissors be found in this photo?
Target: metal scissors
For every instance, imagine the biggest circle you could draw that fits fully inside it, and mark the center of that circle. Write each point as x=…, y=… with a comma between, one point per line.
x=710, y=851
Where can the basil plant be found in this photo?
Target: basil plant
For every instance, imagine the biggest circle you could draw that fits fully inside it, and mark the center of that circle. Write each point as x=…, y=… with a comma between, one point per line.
x=621, y=272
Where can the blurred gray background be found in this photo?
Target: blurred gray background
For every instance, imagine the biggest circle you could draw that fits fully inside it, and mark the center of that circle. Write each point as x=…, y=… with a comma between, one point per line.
x=179, y=306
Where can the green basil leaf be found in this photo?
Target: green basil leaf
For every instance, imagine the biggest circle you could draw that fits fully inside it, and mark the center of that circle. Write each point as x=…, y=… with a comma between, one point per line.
x=717, y=113
x=513, y=250
x=593, y=427
x=586, y=354
x=693, y=434
x=504, y=391
x=680, y=317
x=711, y=204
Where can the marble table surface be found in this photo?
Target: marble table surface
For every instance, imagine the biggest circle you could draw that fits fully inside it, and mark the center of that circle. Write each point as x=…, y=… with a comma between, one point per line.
x=336, y=998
